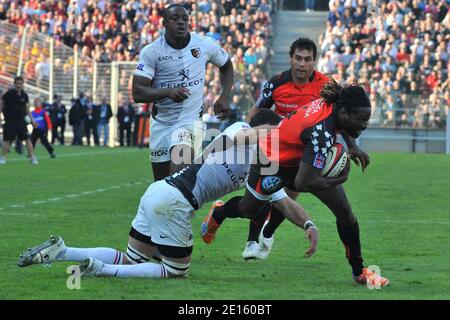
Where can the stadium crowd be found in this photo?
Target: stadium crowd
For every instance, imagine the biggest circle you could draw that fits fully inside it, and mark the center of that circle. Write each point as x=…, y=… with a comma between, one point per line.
x=117, y=30
x=401, y=57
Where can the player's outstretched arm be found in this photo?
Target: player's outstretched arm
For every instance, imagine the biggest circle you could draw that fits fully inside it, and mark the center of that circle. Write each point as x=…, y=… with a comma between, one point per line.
x=143, y=92
x=356, y=153
x=298, y=216
x=308, y=178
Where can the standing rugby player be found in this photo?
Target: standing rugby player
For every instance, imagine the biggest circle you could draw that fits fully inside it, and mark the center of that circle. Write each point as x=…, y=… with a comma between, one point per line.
x=171, y=73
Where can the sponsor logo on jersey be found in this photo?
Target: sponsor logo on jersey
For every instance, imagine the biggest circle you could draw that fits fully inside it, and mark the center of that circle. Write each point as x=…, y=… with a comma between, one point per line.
x=196, y=52
x=314, y=107
x=185, y=135
x=286, y=105
x=165, y=58
x=159, y=153
x=236, y=181
x=185, y=74
x=319, y=161
x=271, y=184
x=181, y=84
x=267, y=91
x=140, y=67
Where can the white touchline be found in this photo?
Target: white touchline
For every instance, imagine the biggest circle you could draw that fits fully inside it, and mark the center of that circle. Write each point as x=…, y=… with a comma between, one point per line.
x=79, y=155
x=71, y=196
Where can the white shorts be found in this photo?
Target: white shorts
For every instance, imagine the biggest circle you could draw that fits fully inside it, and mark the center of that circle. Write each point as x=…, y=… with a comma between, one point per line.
x=164, y=215
x=274, y=197
x=163, y=137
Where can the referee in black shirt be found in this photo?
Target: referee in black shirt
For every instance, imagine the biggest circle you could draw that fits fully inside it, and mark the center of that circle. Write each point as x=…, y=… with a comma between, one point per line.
x=15, y=107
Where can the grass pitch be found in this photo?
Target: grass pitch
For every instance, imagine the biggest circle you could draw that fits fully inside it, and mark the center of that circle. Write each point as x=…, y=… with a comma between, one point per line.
x=90, y=196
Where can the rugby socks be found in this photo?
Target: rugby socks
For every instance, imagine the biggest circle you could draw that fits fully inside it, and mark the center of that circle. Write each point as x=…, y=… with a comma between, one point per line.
x=257, y=223
x=350, y=238
x=106, y=255
x=142, y=270
x=276, y=218
x=229, y=210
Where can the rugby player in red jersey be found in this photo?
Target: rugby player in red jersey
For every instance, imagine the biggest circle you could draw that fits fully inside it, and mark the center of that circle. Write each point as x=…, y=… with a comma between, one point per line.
x=304, y=139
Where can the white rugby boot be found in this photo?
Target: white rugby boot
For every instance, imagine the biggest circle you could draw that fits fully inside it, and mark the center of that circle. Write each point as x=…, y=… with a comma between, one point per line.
x=34, y=160
x=91, y=267
x=45, y=253
x=265, y=244
x=251, y=250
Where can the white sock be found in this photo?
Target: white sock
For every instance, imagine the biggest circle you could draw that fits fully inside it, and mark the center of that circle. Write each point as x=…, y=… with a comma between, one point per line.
x=142, y=270
x=106, y=255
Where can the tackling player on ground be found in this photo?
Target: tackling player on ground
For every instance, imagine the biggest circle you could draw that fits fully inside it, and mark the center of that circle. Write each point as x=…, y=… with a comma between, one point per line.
x=163, y=218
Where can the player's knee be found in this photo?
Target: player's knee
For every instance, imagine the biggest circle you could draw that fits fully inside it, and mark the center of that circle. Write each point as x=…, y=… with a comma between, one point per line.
x=175, y=269
x=134, y=256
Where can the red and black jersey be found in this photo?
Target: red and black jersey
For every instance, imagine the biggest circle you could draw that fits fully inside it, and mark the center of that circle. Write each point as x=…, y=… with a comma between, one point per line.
x=307, y=133
x=289, y=96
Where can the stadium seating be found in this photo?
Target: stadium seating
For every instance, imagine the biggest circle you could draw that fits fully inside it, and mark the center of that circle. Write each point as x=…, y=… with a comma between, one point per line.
x=401, y=56
x=117, y=30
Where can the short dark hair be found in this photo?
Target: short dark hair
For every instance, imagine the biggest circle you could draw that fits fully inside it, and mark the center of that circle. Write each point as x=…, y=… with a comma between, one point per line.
x=18, y=78
x=303, y=44
x=265, y=116
x=173, y=5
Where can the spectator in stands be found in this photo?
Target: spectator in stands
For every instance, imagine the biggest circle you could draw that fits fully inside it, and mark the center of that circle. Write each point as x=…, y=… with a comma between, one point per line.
x=404, y=51
x=116, y=31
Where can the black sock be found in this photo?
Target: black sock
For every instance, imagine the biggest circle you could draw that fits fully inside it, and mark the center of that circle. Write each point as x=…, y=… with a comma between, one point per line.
x=229, y=210
x=276, y=218
x=350, y=238
x=257, y=223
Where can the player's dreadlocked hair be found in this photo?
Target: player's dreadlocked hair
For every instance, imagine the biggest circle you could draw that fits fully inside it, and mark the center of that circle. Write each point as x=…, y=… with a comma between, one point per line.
x=350, y=96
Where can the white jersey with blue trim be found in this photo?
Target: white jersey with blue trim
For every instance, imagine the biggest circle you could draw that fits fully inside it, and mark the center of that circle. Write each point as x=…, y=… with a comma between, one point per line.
x=173, y=68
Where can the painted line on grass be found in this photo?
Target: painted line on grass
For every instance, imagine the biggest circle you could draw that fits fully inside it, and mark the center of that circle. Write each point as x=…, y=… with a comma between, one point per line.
x=70, y=196
x=79, y=154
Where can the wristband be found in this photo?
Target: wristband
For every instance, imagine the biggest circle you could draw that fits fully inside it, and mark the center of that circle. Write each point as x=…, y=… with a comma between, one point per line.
x=309, y=224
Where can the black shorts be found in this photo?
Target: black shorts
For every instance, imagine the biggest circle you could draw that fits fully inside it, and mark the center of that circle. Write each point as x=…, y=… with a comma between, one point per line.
x=13, y=130
x=286, y=174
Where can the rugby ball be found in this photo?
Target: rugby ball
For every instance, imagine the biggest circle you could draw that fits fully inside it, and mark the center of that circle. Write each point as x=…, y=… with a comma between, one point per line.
x=336, y=160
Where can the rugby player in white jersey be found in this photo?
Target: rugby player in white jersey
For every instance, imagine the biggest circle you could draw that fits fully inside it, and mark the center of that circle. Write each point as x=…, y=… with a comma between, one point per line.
x=163, y=219
x=171, y=73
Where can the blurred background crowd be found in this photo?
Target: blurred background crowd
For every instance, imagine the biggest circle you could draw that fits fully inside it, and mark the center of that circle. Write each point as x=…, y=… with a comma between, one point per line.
x=400, y=52
x=401, y=55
